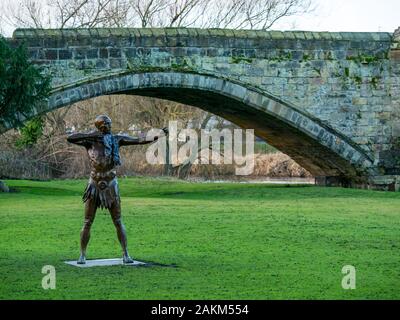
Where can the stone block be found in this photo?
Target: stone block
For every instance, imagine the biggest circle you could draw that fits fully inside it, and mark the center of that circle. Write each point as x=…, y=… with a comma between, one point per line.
x=64, y=54
x=51, y=54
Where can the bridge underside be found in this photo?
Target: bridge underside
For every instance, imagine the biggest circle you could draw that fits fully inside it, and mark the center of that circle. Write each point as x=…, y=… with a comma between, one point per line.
x=317, y=159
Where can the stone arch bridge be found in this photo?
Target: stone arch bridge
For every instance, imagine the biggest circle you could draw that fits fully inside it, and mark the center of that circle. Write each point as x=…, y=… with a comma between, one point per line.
x=331, y=101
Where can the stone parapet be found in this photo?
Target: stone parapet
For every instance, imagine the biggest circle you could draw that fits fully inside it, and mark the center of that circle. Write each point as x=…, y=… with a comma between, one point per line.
x=195, y=32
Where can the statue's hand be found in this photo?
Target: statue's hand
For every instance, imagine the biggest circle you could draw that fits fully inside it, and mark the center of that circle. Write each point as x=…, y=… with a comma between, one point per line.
x=166, y=131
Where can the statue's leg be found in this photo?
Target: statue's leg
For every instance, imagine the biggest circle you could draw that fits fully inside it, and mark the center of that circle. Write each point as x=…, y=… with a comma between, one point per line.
x=121, y=232
x=90, y=213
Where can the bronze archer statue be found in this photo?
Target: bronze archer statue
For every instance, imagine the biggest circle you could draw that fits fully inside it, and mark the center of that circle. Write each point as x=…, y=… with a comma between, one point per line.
x=102, y=189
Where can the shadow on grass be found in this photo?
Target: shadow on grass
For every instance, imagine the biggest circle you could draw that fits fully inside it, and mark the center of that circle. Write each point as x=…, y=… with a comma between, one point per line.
x=271, y=192
x=149, y=188
x=154, y=264
x=46, y=191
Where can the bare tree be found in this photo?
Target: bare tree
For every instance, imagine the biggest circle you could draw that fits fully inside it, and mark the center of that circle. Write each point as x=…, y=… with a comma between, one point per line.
x=148, y=10
x=67, y=13
x=84, y=13
x=253, y=14
x=234, y=14
x=28, y=13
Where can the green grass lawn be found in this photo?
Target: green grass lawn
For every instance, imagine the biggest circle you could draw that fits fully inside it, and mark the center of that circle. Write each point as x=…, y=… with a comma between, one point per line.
x=229, y=241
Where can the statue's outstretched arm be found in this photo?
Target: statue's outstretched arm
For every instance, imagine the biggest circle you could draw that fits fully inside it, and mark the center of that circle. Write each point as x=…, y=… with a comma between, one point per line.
x=83, y=139
x=125, y=140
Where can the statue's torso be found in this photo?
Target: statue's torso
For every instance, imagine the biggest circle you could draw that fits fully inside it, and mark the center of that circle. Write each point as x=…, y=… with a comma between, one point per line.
x=99, y=162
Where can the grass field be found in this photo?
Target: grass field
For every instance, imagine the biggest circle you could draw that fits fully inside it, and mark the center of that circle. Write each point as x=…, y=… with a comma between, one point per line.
x=229, y=241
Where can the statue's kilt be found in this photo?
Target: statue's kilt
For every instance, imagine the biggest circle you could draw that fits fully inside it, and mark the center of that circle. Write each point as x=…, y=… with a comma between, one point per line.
x=105, y=193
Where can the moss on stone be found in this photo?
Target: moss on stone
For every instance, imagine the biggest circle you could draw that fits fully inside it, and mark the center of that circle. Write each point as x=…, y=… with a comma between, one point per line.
x=328, y=56
x=240, y=59
x=375, y=82
x=306, y=57
x=364, y=58
x=358, y=80
x=317, y=70
x=283, y=56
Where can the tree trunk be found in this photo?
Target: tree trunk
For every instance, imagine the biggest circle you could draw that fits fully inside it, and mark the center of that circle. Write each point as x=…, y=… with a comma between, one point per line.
x=184, y=170
x=167, y=167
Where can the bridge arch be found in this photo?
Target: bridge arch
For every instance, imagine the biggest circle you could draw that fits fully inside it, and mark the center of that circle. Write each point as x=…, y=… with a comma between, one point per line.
x=309, y=142
x=313, y=145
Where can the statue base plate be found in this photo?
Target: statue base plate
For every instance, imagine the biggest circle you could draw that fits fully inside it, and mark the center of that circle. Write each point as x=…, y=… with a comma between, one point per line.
x=105, y=263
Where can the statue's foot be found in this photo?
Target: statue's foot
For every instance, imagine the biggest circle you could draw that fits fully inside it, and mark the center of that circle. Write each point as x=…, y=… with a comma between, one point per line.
x=81, y=260
x=127, y=259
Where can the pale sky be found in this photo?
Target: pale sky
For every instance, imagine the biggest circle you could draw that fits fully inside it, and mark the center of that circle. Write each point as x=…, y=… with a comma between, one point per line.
x=348, y=15
x=339, y=15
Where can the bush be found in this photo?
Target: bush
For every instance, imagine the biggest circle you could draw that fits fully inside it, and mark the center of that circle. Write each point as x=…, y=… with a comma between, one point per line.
x=22, y=85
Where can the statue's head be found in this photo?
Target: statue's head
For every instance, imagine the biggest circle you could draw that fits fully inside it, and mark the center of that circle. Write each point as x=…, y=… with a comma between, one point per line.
x=103, y=123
